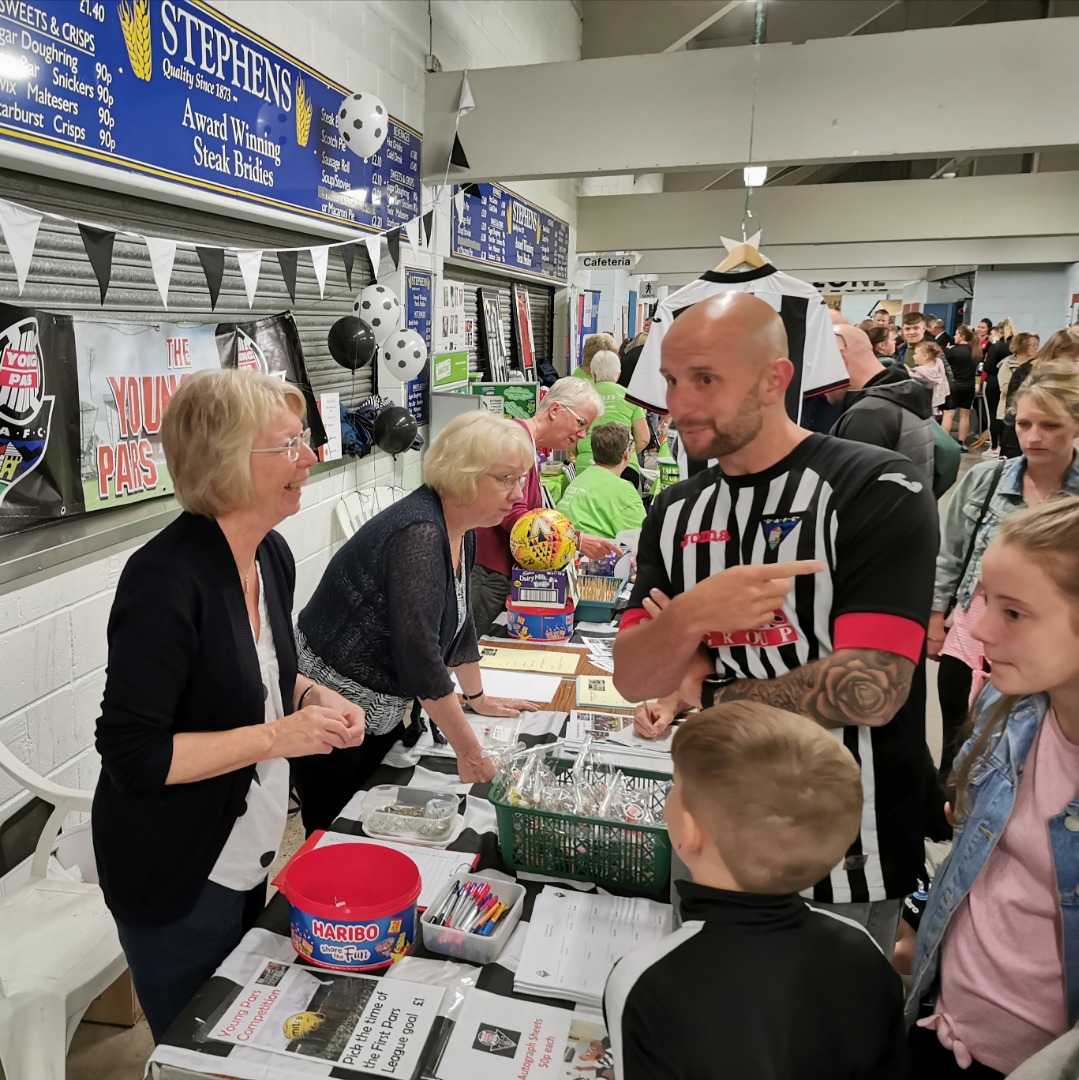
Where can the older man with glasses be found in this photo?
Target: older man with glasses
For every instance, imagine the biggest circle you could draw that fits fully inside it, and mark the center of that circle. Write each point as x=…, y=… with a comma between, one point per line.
x=564, y=416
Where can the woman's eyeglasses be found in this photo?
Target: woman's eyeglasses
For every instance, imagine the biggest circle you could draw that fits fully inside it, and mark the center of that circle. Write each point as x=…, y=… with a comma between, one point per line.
x=510, y=480
x=291, y=448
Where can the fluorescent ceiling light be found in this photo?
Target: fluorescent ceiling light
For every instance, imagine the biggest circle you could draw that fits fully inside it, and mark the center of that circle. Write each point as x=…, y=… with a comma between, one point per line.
x=755, y=175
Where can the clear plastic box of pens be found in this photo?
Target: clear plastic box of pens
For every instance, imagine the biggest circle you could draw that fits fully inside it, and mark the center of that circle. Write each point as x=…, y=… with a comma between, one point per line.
x=473, y=918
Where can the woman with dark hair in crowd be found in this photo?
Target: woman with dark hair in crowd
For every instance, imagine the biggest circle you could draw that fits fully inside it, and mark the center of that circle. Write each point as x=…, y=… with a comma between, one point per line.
x=964, y=356
x=882, y=338
x=1000, y=347
x=982, y=331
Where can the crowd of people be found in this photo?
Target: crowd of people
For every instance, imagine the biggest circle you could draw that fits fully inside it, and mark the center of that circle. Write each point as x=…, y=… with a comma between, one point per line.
x=788, y=597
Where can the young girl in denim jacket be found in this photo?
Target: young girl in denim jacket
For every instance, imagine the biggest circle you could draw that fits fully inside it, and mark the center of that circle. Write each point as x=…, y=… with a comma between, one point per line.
x=996, y=971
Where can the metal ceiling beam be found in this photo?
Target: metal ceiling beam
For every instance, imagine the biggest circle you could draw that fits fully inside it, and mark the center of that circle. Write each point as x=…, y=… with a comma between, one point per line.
x=703, y=25
x=873, y=18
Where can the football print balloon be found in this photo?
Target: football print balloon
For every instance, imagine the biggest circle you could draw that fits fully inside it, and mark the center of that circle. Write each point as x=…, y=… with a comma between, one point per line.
x=404, y=354
x=380, y=309
x=362, y=122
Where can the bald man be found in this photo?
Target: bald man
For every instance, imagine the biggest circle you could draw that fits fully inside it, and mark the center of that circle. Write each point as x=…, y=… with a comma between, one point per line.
x=798, y=571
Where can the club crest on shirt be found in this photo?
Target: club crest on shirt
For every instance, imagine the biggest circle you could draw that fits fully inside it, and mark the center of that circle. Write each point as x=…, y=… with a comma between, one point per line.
x=777, y=529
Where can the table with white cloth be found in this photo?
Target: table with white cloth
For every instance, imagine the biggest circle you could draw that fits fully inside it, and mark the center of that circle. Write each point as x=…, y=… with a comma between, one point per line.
x=182, y=1055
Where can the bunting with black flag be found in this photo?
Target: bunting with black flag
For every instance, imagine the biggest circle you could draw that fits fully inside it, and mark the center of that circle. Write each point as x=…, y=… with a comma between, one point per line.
x=213, y=266
x=457, y=154
x=288, y=261
x=393, y=245
x=98, y=244
x=348, y=257
x=428, y=225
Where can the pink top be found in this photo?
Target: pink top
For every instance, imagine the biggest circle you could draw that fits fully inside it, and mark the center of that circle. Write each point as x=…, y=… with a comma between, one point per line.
x=1002, y=996
x=493, y=542
x=937, y=377
x=960, y=642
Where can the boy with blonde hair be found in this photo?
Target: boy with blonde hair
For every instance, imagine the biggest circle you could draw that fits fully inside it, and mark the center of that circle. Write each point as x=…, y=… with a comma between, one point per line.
x=757, y=983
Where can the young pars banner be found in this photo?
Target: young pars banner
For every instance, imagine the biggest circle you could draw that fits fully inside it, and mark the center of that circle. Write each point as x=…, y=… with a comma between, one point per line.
x=81, y=402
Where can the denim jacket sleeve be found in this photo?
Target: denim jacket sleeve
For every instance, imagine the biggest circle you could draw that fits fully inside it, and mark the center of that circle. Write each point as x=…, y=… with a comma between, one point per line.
x=955, y=531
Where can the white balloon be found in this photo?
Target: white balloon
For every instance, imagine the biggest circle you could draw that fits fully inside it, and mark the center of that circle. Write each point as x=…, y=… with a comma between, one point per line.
x=380, y=309
x=362, y=121
x=404, y=354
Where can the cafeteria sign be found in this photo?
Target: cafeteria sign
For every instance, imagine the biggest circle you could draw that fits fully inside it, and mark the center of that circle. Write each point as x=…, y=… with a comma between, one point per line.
x=175, y=90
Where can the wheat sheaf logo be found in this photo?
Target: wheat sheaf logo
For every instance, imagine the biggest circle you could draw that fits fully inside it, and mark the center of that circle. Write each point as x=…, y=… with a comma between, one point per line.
x=135, y=21
x=304, y=109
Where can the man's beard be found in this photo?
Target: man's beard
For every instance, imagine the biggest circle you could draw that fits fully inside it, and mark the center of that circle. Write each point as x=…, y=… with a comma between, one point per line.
x=739, y=433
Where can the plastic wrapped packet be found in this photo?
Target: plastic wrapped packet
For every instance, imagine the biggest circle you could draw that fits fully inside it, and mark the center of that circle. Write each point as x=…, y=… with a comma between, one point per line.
x=438, y=818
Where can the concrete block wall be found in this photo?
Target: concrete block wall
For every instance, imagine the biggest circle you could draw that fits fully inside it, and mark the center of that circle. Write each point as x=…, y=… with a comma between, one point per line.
x=52, y=630
x=1036, y=297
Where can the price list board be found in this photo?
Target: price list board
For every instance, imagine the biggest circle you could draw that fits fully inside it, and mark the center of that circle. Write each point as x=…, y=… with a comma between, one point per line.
x=505, y=231
x=173, y=90
x=419, y=290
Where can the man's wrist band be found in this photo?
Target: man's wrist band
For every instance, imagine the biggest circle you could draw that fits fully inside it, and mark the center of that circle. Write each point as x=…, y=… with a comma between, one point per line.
x=472, y=697
x=303, y=697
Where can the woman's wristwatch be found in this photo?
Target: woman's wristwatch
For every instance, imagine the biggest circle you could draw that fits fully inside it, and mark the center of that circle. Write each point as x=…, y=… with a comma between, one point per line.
x=472, y=697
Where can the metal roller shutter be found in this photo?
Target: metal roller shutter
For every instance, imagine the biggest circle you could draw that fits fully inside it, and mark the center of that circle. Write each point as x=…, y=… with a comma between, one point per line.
x=541, y=298
x=61, y=278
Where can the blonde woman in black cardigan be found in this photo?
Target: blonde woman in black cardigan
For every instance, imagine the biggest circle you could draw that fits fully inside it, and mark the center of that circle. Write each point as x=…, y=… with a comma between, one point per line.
x=203, y=705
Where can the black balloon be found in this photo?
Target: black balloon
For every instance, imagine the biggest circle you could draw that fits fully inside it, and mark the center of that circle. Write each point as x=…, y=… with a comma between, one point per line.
x=352, y=342
x=395, y=429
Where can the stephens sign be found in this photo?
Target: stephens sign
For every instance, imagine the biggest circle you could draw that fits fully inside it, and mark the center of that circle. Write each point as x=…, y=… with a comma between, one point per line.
x=175, y=90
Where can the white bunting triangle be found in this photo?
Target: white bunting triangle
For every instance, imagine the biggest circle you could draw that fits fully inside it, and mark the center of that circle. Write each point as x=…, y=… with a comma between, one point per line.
x=374, y=251
x=459, y=203
x=20, y=234
x=467, y=102
x=250, y=261
x=162, y=256
x=412, y=234
x=320, y=257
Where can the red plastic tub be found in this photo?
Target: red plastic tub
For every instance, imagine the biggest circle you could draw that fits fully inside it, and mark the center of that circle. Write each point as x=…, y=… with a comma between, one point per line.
x=353, y=905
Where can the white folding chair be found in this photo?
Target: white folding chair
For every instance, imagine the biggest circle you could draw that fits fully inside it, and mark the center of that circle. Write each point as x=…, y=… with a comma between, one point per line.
x=358, y=507
x=60, y=946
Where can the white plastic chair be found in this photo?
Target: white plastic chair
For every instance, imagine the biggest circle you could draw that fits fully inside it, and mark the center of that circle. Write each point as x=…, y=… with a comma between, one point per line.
x=60, y=946
x=358, y=507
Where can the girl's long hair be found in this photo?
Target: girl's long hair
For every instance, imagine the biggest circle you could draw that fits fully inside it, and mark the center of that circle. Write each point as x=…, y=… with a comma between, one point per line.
x=1046, y=534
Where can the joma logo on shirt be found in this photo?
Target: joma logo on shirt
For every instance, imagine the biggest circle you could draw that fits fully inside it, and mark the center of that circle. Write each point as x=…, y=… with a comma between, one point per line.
x=709, y=537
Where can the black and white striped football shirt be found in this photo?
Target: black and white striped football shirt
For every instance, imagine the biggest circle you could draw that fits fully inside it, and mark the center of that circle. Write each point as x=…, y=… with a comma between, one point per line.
x=869, y=516
x=811, y=344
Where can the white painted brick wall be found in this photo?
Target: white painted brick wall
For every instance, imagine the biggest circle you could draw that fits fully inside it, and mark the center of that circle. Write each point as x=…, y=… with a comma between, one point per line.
x=52, y=631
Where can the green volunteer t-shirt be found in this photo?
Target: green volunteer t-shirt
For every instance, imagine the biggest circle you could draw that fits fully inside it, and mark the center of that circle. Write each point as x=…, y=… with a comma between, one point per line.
x=601, y=503
x=616, y=409
x=580, y=373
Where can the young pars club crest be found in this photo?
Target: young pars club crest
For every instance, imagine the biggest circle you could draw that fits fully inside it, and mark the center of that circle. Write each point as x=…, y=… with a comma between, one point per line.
x=25, y=411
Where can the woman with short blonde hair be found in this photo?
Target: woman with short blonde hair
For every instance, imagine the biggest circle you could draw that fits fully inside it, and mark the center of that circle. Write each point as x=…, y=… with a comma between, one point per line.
x=566, y=413
x=203, y=705
x=391, y=617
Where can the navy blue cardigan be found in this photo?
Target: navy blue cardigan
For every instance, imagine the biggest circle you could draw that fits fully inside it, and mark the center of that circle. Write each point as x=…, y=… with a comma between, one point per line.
x=385, y=612
x=181, y=658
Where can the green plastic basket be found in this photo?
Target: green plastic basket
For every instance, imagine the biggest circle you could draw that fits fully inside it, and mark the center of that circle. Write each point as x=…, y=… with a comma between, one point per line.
x=634, y=858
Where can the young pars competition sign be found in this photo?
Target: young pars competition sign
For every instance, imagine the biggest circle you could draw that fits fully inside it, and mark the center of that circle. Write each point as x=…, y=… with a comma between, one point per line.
x=174, y=90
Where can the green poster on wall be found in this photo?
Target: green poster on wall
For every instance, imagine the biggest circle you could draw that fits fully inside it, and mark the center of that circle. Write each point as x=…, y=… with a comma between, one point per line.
x=517, y=399
x=450, y=369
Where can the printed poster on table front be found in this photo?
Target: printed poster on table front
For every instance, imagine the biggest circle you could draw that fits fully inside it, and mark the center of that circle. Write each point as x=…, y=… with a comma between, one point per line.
x=377, y=1027
x=504, y=1038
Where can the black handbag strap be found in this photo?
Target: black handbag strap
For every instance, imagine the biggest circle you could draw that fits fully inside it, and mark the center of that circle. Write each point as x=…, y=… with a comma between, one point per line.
x=974, y=536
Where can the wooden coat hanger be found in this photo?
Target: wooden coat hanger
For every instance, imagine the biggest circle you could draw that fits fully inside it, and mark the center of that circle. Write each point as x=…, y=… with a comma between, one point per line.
x=743, y=254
